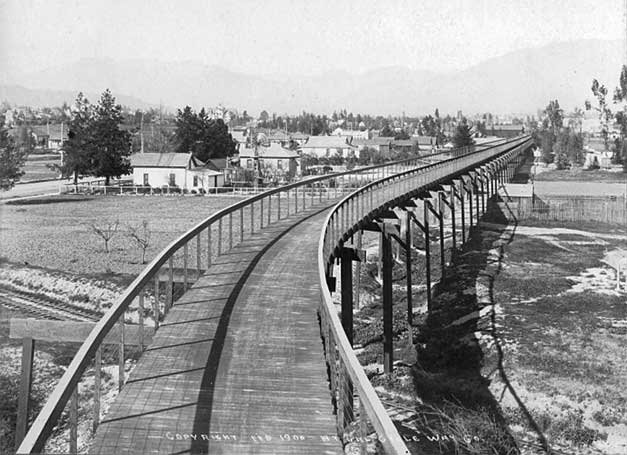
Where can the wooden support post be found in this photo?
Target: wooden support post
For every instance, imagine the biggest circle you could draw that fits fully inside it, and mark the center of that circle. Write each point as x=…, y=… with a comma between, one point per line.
x=97, y=367
x=427, y=252
x=410, y=309
x=346, y=276
x=462, y=199
x=470, y=204
x=476, y=189
x=74, y=421
x=453, y=225
x=380, y=258
x=388, y=302
x=440, y=217
x=357, y=271
x=26, y=381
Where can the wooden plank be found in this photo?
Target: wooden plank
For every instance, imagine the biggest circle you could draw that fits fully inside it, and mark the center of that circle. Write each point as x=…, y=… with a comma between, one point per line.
x=26, y=380
x=72, y=331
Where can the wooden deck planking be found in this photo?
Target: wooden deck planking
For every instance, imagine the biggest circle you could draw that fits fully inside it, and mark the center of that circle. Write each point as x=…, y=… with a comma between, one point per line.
x=250, y=367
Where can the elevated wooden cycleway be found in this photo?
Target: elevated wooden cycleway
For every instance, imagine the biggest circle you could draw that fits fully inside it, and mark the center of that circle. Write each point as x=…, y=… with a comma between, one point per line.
x=238, y=365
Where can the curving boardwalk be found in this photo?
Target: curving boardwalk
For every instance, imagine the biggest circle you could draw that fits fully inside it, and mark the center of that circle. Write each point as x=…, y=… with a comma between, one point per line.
x=238, y=362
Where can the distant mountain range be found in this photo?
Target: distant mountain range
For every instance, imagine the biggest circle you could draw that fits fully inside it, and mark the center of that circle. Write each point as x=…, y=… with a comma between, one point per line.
x=519, y=82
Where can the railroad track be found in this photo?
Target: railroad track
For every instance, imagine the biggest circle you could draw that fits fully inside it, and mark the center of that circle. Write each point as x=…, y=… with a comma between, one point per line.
x=45, y=308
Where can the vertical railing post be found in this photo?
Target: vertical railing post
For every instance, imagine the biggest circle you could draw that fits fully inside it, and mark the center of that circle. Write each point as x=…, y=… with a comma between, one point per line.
x=121, y=355
x=170, y=289
x=185, y=256
x=155, y=306
x=74, y=421
x=140, y=320
x=209, y=247
x=219, y=236
x=230, y=231
x=26, y=381
x=97, y=373
x=241, y=225
x=198, y=256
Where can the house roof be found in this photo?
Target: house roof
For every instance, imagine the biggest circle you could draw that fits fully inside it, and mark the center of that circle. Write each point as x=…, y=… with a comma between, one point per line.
x=326, y=142
x=278, y=136
x=298, y=136
x=56, y=131
x=375, y=141
x=403, y=143
x=273, y=151
x=216, y=164
x=425, y=140
x=508, y=127
x=171, y=160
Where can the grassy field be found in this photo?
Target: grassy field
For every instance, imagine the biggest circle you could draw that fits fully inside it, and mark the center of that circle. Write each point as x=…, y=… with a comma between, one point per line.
x=581, y=175
x=49, y=250
x=40, y=167
x=523, y=348
x=56, y=233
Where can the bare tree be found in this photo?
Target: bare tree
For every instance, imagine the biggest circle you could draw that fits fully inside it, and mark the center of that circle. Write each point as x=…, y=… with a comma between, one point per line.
x=106, y=231
x=141, y=236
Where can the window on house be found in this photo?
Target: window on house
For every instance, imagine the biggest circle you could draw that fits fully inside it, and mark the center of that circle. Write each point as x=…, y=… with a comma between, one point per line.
x=172, y=180
x=195, y=180
x=249, y=163
x=146, y=180
x=279, y=164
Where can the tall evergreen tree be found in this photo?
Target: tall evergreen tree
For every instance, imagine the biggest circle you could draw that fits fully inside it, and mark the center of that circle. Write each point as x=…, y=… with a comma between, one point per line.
x=462, y=136
x=111, y=146
x=78, y=148
x=206, y=138
x=12, y=159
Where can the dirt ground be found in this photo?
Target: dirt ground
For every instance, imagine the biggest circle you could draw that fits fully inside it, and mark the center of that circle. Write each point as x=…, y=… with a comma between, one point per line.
x=522, y=352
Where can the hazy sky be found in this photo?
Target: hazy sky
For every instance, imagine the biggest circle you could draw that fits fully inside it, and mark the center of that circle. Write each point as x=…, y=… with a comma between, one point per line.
x=294, y=37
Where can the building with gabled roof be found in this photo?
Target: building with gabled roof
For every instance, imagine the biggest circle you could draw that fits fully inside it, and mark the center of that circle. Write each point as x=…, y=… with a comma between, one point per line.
x=175, y=170
x=327, y=146
x=273, y=159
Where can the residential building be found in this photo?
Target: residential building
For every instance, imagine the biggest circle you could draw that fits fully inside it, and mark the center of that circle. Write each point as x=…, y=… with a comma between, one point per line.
x=178, y=170
x=274, y=161
x=327, y=146
x=506, y=131
x=50, y=136
x=382, y=145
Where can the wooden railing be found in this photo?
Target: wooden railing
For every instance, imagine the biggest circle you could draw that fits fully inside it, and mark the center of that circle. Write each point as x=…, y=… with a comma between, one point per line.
x=138, y=311
x=349, y=383
x=141, y=307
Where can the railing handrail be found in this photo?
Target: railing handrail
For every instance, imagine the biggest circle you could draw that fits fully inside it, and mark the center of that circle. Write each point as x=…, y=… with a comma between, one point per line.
x=48, y=416
x=391, y=440
x=52, y=409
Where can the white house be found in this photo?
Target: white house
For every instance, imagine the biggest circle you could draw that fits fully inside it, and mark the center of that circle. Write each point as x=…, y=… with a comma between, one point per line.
x=273, y=160
x=178, y=170
x=327, y=146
